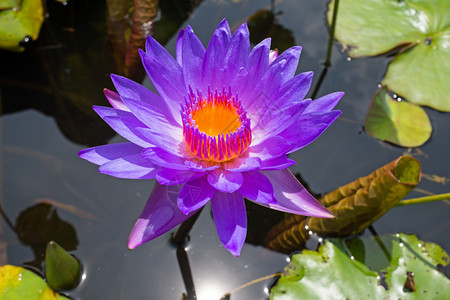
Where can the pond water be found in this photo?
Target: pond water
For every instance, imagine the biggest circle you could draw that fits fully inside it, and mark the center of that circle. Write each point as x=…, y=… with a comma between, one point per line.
x=46, y=117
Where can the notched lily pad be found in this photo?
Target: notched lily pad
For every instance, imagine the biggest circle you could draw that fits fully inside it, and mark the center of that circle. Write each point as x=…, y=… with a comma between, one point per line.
x=339, y=271
x=17, y=283
x=397, y=122
x=420, y=29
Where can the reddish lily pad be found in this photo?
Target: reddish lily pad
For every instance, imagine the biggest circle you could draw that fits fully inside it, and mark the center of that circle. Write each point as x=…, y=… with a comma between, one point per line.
x=397, y=122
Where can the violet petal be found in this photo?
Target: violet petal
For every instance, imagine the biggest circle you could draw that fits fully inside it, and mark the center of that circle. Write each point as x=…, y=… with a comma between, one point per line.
x=130, y=167
x=168, y=176
x=160, y=215
x=243, y=164
x=311, y=127
x=193, y=53
x=231, y=220
x=213, y=61
x=160, y=110
x=125, y=124
x=194, y=195
x=103, y=154
x=237, y=53
x=292, y=197
x=225, y=181
x=257, y=187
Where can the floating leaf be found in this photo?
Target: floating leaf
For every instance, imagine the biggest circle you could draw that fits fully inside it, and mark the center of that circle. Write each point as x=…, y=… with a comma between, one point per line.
x=422, y=74
x=62, y=270
x=17, y=283
x=355, y=205
x=9, y=4
x=397, y=122
x=334, y=271
x=19, y=24
x=421, y=28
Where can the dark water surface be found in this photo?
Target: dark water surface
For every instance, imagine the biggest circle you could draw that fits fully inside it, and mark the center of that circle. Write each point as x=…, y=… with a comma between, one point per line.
x=46, y=118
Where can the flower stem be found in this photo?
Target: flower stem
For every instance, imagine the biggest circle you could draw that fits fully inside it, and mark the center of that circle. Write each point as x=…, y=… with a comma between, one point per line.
x=180, y=236
x=426, y=199
x=332, y=29
x=327, y=63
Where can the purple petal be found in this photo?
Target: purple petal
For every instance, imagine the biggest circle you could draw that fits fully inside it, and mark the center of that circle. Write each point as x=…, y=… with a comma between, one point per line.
x=179, y=47
x=195, y=194
x=103, y=154
x=258, y=63
x=279, y=72
x=162, y=158
x=164, y=72
x=269, y=148
x=225, y=181
x=238, y=52
x=160, y=215
x=230, y=219
x=292, y=197
x=150, y=117
x=308, y=128
x=125, y=124
x=130, y=167
x=213, y=62
x=281, y=162
x=273, y=121
x=160, y=110
x=193, y=53
x=325, y=103
x=257, y=187
x=175, y=177
x=197, y=165
x=242, y=164
x=291, y=56
x=115, y=100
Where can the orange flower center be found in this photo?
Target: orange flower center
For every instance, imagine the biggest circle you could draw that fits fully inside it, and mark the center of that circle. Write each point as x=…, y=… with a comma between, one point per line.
x=216, y=127
x=216, y=118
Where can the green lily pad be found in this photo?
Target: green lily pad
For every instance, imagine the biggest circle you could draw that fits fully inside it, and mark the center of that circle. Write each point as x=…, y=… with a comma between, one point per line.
x=17, y=283
x=9, y=4
x=420, y=28
x=19, y=24
x=397, y=122
x=353, y=270
x=422, y=74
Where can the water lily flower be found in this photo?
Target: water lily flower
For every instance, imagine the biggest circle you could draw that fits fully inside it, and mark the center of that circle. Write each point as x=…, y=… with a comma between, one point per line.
x=219, y=130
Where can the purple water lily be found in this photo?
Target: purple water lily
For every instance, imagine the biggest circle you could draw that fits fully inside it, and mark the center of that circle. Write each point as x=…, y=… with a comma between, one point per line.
x=219, y=130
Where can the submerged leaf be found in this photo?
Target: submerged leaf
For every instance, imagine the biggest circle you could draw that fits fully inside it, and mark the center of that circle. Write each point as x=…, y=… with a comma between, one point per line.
x=355, y=205
x=17, y=283
x=397, y=122
x=336, y=271
x=62, y=270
